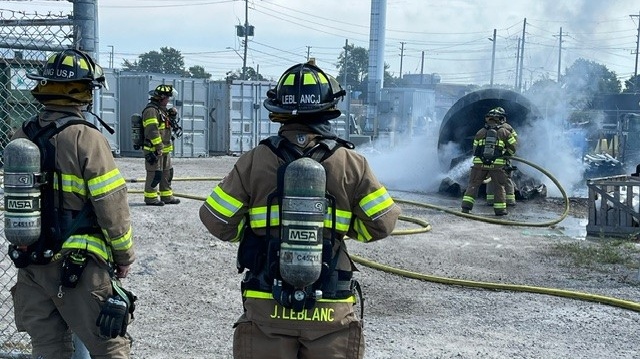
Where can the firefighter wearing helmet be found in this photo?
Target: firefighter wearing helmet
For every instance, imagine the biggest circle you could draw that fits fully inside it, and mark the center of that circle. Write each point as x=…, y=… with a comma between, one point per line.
x=492, y=144
x=508, y=168
x=290, y=203
x=158, y=145
x=69, y=269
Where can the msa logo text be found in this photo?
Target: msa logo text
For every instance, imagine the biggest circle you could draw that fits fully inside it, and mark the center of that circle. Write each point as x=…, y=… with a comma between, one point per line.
x=19, y=204
x=302, y=235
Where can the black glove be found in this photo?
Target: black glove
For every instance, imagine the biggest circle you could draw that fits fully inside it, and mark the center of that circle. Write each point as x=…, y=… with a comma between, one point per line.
x=151, y=157
x=113, y=317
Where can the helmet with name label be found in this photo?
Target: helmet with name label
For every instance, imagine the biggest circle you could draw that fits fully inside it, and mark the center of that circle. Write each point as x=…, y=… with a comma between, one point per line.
x=71, y=65
x=303, y=89
x=68, y=78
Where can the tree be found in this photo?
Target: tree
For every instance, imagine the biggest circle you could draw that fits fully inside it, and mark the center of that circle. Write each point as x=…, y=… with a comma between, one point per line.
x=167, y=61
x=632, y=85
x=584, y=79
x=357, y=70
x=198, y=72
x=251, y=73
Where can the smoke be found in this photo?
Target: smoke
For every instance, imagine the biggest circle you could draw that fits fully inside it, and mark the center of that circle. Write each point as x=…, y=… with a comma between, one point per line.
x=411, y=164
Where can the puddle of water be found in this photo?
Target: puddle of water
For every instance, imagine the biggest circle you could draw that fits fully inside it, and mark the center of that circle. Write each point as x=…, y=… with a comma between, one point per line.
x=571, y=227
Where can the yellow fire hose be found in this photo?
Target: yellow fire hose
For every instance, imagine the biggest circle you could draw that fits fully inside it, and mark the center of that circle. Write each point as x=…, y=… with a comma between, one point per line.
x=424, y=226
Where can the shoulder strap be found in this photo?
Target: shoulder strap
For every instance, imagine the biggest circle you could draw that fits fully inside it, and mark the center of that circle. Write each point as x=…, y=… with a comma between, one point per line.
x=289, y=152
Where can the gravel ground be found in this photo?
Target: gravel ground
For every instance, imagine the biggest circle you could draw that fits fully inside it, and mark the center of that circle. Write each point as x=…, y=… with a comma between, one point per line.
x=189, y=297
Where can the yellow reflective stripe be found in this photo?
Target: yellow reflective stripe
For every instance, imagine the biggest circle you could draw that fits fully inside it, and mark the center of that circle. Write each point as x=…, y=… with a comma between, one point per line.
x=70, y=184
x=289, y=80
x=343, y=220
x=239, y=232
x=150, y=121
x=68, y=61
x=223, y=203
x=258, y=216
x=167, y=193
x=162, y=126
x=323, y=78
x=308, y=79
x=91, y=243
x=361, y=230
x=376, y=202
x=123, y=242
x=153, y=194
x=256, y=294
x=106, y=183
x=156, y=140
x=167, y=149
x=469, y=199
x=83, y=64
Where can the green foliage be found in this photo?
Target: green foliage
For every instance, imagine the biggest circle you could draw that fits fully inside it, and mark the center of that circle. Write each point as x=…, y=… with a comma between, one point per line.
x=357, y=70
x=251, y=73
x=167, y=61
x=198, y=72
x=632, y=85
x=584, y=79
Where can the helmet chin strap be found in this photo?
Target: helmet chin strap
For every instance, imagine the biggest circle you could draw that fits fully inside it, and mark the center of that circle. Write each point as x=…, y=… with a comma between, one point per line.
x=104, y=124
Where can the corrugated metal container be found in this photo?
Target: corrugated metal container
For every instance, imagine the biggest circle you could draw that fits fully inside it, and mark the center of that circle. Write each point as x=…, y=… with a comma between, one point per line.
x=239, y=121
x=193, y=97
x=108, y=104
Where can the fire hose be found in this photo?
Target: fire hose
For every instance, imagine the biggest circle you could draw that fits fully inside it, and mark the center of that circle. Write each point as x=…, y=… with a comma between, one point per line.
x=424, y=226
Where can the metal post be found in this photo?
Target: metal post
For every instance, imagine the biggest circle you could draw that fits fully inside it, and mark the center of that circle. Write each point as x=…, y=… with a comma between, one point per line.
x=493, y=56
x=246, y=39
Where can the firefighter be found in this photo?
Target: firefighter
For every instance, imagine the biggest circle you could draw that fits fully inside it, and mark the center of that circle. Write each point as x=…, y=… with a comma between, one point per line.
x=158, y=145
x=68, y=278
x=247, y=206
x=491, y=145
x=508, y=168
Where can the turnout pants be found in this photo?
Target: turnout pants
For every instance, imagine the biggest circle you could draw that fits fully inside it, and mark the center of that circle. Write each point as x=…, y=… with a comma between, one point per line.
x=266, y=330
x=158, y=174
x=50, y=320
x=476, y=177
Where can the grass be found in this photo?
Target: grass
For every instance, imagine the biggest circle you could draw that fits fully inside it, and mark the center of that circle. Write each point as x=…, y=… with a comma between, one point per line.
x=603, y=252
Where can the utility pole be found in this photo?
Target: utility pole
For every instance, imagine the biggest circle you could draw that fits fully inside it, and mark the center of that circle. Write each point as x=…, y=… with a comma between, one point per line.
x=517, y=64
x=422, y=68
x=401, y=57
x=493, y=55
x=524, y=27
x=635, y=71
x=345, y=65
x=246, y=39
x=111, y=56
x=559, y=53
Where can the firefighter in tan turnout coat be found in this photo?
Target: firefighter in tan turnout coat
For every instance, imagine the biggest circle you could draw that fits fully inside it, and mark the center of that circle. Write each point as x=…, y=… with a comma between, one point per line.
x=282, y=319
x=68, y=277
x=158, y=145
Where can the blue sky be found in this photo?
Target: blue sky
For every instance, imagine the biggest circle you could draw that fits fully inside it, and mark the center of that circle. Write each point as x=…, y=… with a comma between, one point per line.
x=454, y=34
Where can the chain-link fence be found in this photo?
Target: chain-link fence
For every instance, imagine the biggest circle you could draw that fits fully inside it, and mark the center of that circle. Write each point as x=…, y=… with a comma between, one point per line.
x=26, y=40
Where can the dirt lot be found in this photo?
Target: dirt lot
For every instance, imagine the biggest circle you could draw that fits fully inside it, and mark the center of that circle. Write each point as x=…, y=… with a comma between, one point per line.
x=189, y=296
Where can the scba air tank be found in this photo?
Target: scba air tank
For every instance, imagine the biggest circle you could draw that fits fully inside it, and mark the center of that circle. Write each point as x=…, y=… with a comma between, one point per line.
x=22, y=221
x=303, y=209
